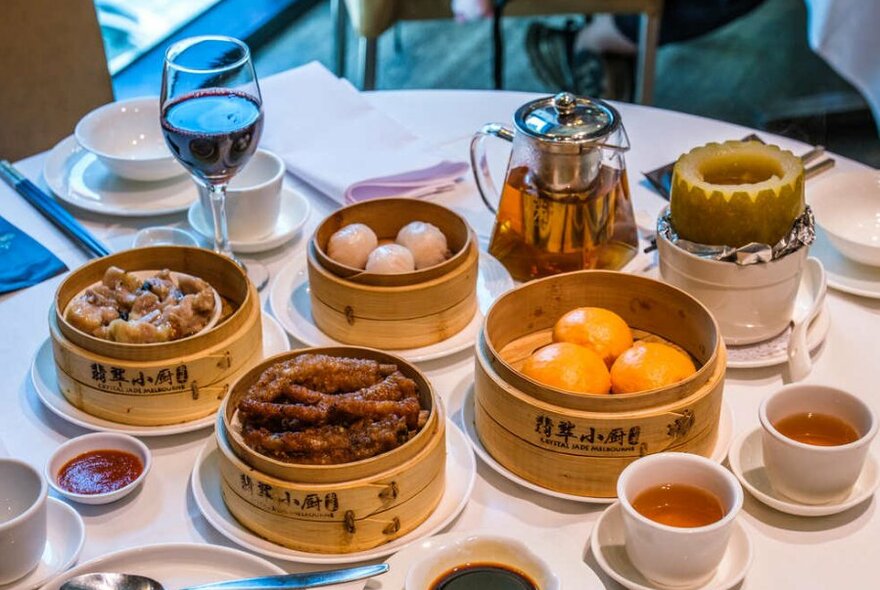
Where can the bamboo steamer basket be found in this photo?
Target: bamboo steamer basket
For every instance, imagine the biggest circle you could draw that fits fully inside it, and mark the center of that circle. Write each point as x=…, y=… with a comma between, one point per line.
x=579, y=444
x=161, y=383
x=394, y=311
x=333, y=508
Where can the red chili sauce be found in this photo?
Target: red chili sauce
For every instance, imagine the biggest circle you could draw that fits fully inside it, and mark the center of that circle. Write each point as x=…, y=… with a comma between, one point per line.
x=99, y=472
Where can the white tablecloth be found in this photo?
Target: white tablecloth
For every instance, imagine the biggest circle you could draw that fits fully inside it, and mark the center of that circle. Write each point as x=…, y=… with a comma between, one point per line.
x=796, y=553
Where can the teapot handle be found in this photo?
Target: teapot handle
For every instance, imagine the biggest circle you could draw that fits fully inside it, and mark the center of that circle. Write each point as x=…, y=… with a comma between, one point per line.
x=480, y=165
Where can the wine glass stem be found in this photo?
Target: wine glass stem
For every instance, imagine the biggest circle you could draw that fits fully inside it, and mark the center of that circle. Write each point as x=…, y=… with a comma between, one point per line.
x=217, y=193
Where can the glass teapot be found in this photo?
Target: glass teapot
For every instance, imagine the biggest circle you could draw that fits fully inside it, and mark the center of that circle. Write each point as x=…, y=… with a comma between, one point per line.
x=565, y=204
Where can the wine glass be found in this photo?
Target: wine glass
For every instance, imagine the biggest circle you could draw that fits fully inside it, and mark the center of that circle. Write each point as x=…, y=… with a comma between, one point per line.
x=212, y=119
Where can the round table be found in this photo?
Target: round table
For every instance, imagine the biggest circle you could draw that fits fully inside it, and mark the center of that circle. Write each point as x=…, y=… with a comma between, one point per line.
x=790, y=552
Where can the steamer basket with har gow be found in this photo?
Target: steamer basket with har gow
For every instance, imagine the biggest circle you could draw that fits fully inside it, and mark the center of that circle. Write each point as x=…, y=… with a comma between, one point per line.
x=393, y=273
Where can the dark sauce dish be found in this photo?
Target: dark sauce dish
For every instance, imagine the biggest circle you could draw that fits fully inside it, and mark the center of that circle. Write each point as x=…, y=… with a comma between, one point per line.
x=98, y=468
x=481, y=562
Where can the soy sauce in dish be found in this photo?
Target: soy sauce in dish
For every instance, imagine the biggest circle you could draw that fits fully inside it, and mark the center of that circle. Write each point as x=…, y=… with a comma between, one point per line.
x=99, y=472
x=484, y=576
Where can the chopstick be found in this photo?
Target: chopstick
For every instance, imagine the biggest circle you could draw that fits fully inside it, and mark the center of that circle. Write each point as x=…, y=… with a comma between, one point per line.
x=811, y=171
x=51, y=210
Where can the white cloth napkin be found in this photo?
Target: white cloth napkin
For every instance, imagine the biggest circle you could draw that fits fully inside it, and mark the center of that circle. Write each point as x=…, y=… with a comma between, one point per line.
x=331, y=137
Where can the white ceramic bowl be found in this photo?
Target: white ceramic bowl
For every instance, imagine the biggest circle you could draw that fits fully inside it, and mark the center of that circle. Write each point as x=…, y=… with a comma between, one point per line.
x=480, y=548
x=751, y=303
x=847, y=207
x=163, y=235
x=127, y=137
x=99, y=441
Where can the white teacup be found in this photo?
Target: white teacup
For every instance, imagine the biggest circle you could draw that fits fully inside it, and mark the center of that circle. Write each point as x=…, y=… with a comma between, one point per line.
x=807, y=473
x=456, y=551
x=23, y=493
x=253, y=198
x=670, y=556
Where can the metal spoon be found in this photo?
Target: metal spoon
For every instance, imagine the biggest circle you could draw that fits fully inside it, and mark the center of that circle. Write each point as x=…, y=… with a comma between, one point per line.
x=113, y=581
x=809, y=300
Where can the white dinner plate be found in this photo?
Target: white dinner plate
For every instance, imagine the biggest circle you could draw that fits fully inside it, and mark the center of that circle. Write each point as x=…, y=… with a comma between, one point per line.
x=574, y=574
x=45, y=384
x=460, y=406
x=747, y=463
x=607, y=544
x=292, y=305
x=844, y=274
x=76, y=176
x=775, y=351
x=461, y=472
x=66, y=534
x=295, y=211
x=176, y=565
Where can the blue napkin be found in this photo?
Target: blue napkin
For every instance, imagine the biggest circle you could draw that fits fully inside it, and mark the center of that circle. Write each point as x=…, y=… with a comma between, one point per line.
x=23, y=261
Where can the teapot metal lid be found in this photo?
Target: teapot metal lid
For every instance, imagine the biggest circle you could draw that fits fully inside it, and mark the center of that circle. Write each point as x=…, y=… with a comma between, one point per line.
x=568, y=121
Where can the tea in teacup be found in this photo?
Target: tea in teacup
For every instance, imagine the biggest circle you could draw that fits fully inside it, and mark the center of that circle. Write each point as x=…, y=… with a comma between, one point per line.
x=680, y=505
x=813, y=428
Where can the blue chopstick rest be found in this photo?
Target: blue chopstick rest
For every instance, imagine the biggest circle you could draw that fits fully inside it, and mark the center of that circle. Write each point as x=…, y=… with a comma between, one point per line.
x=23, y=261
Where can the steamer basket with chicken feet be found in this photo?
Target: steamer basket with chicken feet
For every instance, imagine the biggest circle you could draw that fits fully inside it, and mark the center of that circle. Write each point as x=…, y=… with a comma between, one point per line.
x=180, y=379
x=304, y=489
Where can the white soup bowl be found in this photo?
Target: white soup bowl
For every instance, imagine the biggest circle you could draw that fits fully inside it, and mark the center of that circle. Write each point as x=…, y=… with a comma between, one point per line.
x=847, y=207
x=127, y=137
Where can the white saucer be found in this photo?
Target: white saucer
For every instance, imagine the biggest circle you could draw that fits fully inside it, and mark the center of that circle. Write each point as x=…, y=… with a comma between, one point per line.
x=295, y=210
x=66, y=535
x=76, y=176
x=45, y=384
x=747, y=463
x=844, y=274
x=573, y=573
x=291, y=304
x=775, y=351
x=607, y=546
x=177, y=565
x=461, y=472
x=461, y=410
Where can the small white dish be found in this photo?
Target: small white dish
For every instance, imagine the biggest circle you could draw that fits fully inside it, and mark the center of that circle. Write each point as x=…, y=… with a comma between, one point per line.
x=79, y=178
x=775, y=350
x=292, y=305
x=607, y=544
x=842, y=273
x=747, y=463
x=847, y=207
x=461, y=473
x=176, y=565
x=45, y=383
x=461, y=410
x=64, y=542
x=127, y=137
x=480, y=548
x=163, y=235
x=294, y=212
x=97, y=441
x=574, y=573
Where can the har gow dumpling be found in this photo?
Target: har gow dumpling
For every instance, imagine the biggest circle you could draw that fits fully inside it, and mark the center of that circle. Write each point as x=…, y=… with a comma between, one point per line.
x=426, y=242
x=352, y=244
x=390, y=259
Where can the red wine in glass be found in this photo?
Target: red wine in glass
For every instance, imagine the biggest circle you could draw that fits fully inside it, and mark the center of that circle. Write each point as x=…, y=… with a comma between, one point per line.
x=213, y=132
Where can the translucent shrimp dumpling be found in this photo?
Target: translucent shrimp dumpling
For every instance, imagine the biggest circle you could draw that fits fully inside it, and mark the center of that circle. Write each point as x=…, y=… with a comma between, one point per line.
x=352, y=244
x=426, y=242
x=390, y=259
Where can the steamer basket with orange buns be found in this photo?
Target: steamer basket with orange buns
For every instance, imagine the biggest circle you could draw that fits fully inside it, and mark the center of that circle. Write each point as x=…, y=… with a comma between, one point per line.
x=579, y=374
x=408, y=309
x=178, y=370
x=286, y=476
